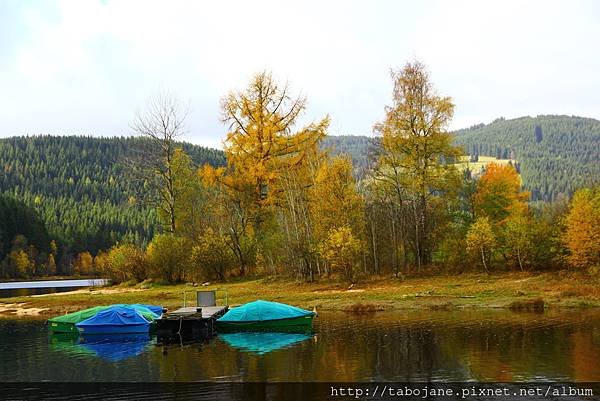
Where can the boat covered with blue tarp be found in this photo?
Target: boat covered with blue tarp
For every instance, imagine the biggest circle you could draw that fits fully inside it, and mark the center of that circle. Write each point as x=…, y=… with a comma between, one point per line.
x=66, y=323
x=265, y=316
x=117, y=319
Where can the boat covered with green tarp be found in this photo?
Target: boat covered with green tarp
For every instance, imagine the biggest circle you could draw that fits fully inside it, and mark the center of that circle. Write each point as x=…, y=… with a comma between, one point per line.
x=265, y=316
x=66, y=323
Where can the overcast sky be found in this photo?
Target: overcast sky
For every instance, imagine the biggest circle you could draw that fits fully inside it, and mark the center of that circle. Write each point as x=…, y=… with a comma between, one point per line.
x=85, y=67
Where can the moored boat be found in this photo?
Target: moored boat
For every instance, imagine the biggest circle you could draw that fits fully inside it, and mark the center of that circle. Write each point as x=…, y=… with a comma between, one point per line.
x=116, y=319
x=66, y=323
x=265, y=316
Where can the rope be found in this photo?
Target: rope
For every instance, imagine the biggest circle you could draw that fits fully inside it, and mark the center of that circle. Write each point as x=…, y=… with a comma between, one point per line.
x=180, y=322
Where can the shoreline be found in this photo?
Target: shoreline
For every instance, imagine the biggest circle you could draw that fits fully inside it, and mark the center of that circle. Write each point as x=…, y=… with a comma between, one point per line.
x=515, y=290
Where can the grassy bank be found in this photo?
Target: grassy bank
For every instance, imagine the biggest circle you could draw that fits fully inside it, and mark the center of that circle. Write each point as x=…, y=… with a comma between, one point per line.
x=516, y=290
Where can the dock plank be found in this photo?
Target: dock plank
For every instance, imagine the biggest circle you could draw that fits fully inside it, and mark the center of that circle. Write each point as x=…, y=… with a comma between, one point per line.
x=188, y=323
x=207, y=311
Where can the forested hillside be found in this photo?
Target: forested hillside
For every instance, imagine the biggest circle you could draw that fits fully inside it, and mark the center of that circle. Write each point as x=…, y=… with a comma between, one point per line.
x=557, y=154
x=78, y=186
x=358, y=147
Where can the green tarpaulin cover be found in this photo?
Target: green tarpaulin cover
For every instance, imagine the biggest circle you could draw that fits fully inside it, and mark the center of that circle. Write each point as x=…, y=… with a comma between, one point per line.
x=79, y=316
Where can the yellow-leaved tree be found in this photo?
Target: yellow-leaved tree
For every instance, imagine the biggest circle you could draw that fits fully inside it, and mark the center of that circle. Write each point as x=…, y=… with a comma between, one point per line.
x=481, y=240
x=500, y=199
x=499, y=194
x=337, y=204
x=341, y=249
x=416, y=164
x=582, y=228
x=262, y=142
x=336, y=198
x=265, y=154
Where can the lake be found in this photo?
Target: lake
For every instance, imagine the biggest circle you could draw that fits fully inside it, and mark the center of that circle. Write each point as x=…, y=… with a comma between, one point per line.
x=24, y=288
x=482, y=345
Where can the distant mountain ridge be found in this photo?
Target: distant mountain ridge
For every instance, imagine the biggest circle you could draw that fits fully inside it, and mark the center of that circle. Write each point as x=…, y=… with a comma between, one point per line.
x=557, y=154
x=79, y=188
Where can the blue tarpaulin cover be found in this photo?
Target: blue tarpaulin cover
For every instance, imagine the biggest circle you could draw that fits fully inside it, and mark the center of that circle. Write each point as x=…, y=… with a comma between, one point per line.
x=155, y=309
x=150, y=312
x=115, y=315
x=260, y=311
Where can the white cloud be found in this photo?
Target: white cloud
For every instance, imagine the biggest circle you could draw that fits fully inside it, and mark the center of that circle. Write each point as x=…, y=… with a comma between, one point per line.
x=87, y=66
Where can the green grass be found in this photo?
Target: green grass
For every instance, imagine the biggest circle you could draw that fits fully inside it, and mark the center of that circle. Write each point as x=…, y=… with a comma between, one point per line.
x=557, y=289
x=481, y=163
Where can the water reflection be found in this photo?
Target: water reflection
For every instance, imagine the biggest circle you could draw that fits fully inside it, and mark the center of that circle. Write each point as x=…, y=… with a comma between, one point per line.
x=113, y=348
x=262, y=343
x=486, y=345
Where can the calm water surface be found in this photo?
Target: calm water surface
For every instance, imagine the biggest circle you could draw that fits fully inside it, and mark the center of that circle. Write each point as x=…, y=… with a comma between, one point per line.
x=24, y=288
x=389, y=346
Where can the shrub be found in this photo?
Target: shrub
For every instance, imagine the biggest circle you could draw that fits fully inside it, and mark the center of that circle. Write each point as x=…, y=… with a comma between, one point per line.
x=212, y=256
x=123, y=263
x=169, y=257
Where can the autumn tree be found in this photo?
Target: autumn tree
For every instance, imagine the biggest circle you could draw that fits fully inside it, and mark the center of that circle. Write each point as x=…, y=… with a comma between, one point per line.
x=517, y=238
x=481, y=240
x=342, y=251
x=231, y=212
x=83, y=264
x=296, y=217
x=336, y=198
x=51, y=262
x=162, y=123
x=261, y=142
x=417, y=155
x=51, y=265
x=190, y=202
x=125, y=262
x=582, y=228
x=264, y=150
x=101, y=262
x=212, y=255
x=169, y=257
x=499, y=198
x=499, y=194
x=20, y=263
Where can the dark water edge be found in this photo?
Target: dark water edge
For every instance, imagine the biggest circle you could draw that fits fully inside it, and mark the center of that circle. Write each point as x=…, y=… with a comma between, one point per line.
x=22, y=292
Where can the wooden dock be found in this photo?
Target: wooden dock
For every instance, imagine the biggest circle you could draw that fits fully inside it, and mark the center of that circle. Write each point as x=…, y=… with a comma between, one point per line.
x=191, y=323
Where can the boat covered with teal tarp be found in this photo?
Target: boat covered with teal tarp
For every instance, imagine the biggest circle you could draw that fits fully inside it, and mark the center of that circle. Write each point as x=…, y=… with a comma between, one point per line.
x=265, y=316
x=117, y=319
x=66, y=323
